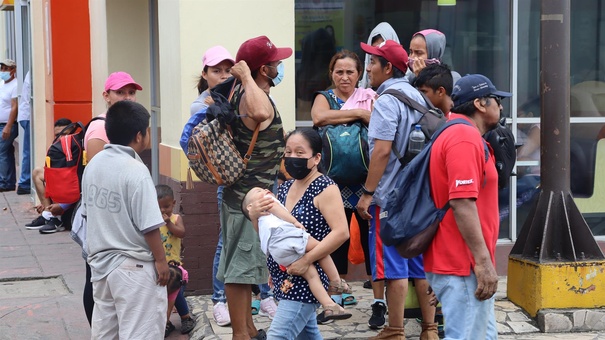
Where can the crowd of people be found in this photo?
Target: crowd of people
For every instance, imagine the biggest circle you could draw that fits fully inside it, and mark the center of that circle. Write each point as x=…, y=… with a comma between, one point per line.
x=286, y=239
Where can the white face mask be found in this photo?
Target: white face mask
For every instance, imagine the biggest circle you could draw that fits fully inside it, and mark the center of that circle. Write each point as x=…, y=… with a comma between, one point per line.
x=280, y=74
x=5, y=75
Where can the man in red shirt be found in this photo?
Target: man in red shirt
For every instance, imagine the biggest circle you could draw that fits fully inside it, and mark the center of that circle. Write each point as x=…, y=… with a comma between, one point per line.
x=460, y=262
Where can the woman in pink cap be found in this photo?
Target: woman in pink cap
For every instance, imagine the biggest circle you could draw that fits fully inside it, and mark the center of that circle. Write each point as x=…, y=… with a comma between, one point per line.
x=216, y=63
x=118, y=86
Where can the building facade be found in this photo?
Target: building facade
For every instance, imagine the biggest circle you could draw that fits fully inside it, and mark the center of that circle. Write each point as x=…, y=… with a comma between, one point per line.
x=72, y=46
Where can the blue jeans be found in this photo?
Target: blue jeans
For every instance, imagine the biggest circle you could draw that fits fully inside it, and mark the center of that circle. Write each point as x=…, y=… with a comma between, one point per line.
x=218, y=287
x=294, y=320
x=25, y=179
x=180, y=303
x=465, y=316
x=8, y=172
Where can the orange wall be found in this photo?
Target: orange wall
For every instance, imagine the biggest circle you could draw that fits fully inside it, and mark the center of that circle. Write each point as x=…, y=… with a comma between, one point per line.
x=70, y=77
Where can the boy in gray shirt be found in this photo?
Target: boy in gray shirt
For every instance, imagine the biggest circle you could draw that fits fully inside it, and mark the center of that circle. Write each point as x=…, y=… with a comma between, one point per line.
x=124, y=248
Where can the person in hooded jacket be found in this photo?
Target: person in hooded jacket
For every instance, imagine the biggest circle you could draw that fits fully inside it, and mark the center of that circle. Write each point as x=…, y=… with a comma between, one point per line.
x=426, y=47
x=382, y=32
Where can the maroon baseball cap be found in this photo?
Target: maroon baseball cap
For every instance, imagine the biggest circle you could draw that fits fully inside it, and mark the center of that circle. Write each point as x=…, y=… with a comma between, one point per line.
x=390, y=50
x=260, y=51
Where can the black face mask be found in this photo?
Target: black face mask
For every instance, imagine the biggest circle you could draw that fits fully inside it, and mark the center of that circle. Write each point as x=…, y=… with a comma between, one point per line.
x=297, y=167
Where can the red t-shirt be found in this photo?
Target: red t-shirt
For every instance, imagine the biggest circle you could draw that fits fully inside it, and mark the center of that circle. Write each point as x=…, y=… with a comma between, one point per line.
x=458, y=170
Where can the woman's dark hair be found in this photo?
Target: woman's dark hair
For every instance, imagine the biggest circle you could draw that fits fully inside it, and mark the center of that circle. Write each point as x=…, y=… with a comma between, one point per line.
x=124, y=120
x=202, y=84
x=317, y=48
x=175, y=281
x=397, y=73
x=312, y=136
x=342, y=55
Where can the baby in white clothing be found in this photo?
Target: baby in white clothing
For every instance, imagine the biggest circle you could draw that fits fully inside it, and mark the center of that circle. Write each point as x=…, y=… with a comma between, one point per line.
x=284, y=238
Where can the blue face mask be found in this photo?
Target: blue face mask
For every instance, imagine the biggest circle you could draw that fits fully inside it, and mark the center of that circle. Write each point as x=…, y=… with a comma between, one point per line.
x=280, y=75
x=5, y=75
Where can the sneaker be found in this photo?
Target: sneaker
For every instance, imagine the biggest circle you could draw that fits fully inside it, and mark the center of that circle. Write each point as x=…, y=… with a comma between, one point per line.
x=187, y=325
x=23, y=191
x=367, y=284
x=377, y=321
x=36, y=224
x=261, y=335
x=169, y=328
x=221, y=314
x=322, y=319
x=52, y=226
x=268, y=307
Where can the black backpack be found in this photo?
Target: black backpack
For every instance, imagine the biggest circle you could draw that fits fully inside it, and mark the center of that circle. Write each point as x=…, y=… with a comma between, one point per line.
x=502, y=141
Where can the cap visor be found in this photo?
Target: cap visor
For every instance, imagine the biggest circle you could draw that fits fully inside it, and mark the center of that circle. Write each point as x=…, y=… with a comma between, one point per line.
x=369, y=48
x=217, y=61
x=118, y=86
x=503, y=94
x=282, y=53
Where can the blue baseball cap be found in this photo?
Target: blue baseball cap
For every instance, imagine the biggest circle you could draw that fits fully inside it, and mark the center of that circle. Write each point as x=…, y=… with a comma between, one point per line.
x=473, y=86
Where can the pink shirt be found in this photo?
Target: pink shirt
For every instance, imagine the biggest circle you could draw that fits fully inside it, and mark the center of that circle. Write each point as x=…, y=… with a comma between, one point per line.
x=96, y=130
x=172, y=296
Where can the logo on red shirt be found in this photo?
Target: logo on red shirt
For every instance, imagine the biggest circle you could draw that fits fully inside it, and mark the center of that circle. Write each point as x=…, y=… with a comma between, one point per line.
x=463, y=182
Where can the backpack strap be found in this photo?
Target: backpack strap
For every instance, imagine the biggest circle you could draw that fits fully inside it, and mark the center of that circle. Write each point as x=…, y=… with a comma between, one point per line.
x=248, y=154
x=92, y=120
x=404, y=98
x=69, y=130
x=331, y=98
x=429, y=109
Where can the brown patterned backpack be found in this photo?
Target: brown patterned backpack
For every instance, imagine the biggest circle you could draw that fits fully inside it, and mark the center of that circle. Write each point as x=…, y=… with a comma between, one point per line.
x=211, y=152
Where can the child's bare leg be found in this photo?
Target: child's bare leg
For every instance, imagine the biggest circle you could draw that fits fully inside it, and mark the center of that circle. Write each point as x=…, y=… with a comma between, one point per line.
x=317, y=288
x=326, y=263
x=169, y=311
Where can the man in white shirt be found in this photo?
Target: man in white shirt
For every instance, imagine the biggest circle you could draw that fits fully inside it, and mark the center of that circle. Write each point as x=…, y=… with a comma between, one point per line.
x=8, y=118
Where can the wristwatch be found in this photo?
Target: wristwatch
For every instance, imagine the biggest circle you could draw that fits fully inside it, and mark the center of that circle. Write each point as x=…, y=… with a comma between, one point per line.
x=366, y=191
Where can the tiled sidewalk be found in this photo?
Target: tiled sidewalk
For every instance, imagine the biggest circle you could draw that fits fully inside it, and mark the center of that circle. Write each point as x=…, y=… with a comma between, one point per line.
x=511, y=319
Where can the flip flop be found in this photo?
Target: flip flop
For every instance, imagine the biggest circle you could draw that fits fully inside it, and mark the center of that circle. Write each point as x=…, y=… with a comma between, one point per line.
x=349, y=299
x=255, y=306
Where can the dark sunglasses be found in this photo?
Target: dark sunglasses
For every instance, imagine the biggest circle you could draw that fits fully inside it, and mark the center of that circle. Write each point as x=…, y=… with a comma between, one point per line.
x=496, y=98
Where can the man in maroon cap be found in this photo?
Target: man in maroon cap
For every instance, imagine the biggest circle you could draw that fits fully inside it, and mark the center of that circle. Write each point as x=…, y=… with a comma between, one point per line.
x=390, y=127
x=258, y=68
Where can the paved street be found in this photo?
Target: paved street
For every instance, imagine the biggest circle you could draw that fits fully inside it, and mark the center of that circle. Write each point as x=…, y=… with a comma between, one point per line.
x=42, y=278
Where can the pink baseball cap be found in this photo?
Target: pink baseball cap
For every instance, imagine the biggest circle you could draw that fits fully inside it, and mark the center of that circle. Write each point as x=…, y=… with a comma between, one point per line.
x=117, y=80
x=215, y=55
